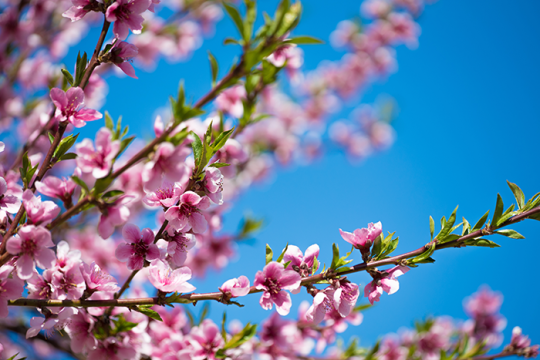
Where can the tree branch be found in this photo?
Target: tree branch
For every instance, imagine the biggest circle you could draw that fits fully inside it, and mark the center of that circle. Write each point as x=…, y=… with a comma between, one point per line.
x=218, y=296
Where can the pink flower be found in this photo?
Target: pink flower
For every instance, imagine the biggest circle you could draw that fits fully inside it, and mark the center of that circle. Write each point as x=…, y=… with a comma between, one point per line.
x=97, y=161
x=55, y=187
x=69, y=107
x=206, y=340
x=374, y=289
x=230, y=101
x=167, y=163
x=121, y=52
x=138, y=247
x=167, y=280
x=98, y=280
x=78, y=10
x=126, y=15
x=363, y=238
x=80, y=329
x=344, y=295
x=483, y=302
x=273, y=280
x=178, y=246
x=31, y=244
x=167, y=195
x=519, y=341
x=69, y=284
x=298, y=262
x=65, y=258
x=213, y=185
x=114, y=215
x=40, y=287
x=236, y=287
x=38, y=212
x=8, y=203
x=187, y=216
x=113, y=348
x=9, y=288
x=340, y=297
x=56, y=321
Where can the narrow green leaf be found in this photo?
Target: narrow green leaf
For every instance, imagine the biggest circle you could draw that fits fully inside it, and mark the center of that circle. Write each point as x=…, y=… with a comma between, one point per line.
x=269, y=254
x=68, y=76
x=221, y=140
x=480, y=222
x=204, y=312
x=335, y=257
x=81, y=183
x=304, y=40
x=518, y=194
x=213, y=66
x=223, y=322
x=229, y=41
x=499, y=208
x=447, y=226
x=68, y=156
x=145, y=309
x=235, y=16
x=123, y=145
x=377, y=246
x=283, y=253
x=482, y=243
x=431, y=226
x=109, y=123
x=513, y=234
x=197, y=148
x=112, y=193
x=51, y=137
x=218, y=165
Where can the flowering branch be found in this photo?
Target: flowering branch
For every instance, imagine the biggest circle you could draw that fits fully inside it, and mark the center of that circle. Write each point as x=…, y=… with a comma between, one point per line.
x=219, y=296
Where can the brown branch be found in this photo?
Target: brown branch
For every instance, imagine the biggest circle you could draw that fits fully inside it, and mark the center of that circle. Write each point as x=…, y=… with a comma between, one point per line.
x=94, y=61
x=58, y=345
x=218, y=296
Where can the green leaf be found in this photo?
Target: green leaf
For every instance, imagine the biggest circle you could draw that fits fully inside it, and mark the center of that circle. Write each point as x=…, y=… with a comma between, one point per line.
x=112, y=193
x=269, y=254
x=101, y=185
x=218, y=165
x=68, y=156
x=249, y=225
x=431, y=226
x=197, y=146
x=122, y=325
x=480, y=222
x=223, y=322
x=235, y=16
x=513, y=234
x=123, y=145
x=304, y=40
x=81, y=183
x=65, y=144
x=179, y=137
x=466, y=227
x=204, y=313
x=145, y=309
x=177, y=299
x=377, y=246
x=109, y=123
x=315, y=265
x=241, y=337
x=499, y=208
x=447, y=226
x=213, y=66
x=51, y=137
x=518, y=194
x=221, y=140
x=229, y=41
x=425, y=255
x=481, y=242
x=283, y=253
x=335, y=257
x=67, y=76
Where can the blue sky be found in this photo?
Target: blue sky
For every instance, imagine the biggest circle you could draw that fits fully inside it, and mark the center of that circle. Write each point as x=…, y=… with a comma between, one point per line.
x=468, y=121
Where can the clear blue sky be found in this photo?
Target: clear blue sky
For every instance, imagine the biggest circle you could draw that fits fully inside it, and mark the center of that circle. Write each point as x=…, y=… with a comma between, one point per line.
x=468, y=121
